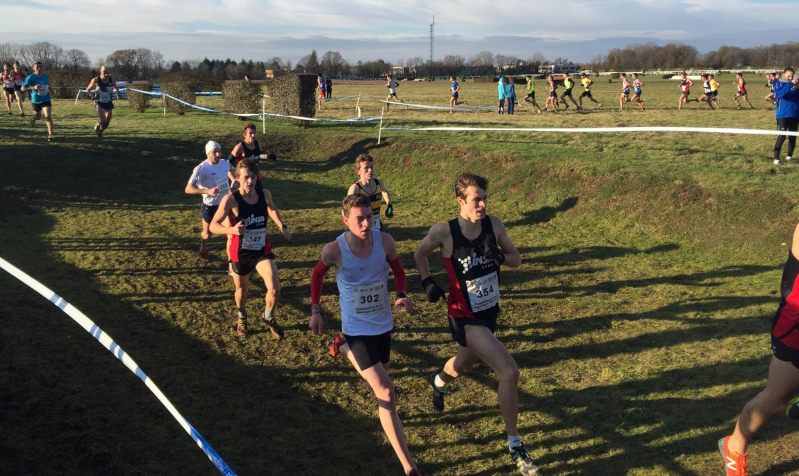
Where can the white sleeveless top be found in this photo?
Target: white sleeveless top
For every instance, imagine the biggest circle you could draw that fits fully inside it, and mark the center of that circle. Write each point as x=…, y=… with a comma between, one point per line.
x=363, y=290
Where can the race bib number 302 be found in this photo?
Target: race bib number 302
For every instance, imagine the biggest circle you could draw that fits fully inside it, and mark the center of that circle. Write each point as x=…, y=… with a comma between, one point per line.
x=483, y=292
x=369, y=299
x=254, y=239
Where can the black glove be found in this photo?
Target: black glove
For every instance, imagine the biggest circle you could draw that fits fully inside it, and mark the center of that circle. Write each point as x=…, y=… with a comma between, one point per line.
x=432, y=290
x=390, y=211
x=492, y=252
x=271, y=156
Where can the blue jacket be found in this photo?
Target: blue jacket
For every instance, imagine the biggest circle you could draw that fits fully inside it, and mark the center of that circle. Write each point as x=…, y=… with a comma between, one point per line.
x=501, y=88
x=787, y=100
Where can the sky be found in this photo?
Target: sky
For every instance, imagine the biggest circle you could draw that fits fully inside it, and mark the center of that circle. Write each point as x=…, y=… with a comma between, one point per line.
x=392, y=30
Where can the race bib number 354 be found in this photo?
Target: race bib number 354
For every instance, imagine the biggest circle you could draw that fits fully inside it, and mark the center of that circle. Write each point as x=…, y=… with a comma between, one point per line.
x=483, y=292
x=369, y=299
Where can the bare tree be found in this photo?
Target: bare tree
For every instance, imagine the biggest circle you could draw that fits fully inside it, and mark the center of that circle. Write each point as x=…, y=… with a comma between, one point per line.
x=331, y=63
x=10, y=52
x=125, y=62
x=76, y=59
x=48, y=54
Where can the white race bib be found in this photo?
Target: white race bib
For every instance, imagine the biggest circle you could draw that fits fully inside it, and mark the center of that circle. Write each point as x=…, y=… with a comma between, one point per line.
x=369, y=299
x=104, y=96
x=483, y=292
x=224, y=187
x=254, y=239
x=376, y=220
x=42, y=91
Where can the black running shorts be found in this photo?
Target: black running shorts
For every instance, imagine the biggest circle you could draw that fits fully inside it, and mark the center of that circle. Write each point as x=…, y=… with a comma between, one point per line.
x=368, y=351
x=784, y=353
x=38, y=106
x=457, y=326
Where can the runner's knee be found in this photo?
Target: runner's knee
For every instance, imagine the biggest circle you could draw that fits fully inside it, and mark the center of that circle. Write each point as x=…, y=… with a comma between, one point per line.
x=510, y=373
x=385, y=396
x=463, y=367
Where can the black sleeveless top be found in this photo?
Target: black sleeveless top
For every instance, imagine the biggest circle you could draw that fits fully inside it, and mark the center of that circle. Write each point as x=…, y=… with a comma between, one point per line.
x=254, y=243
x=105, y=88
x=473, y=279
x=252, y=154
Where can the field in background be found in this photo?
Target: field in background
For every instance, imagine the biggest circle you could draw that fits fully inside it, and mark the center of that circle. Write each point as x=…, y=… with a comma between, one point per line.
x=639, y=317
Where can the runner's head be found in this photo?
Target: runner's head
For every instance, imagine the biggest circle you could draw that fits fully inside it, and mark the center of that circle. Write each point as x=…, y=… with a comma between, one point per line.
x=213, y=151
x=635, y=75
x=789, y=73
x=365, y=167
x=528, y=78
x=704, y=76
x=6, y=66
x=356, y=212
x=246, y=172
x=103, y=71
x=37, y=67
x=582, y=75
x=711, y=76
x=739, y=75
x=249, y=132
x=470, y=191
x=452, y=78
x=683, y=75
x=16, y=65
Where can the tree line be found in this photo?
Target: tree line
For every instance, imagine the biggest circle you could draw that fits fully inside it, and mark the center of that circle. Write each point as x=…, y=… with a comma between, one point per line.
x=143, y=63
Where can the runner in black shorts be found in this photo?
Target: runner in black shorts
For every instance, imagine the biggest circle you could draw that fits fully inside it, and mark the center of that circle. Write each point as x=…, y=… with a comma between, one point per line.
x=102, y=87
x=8, y=86
x=587, y=82
x=531, y=93
x=362, y=257
x=474, y=246
x=19, y=77
x=243, y=215
x=552, y=100
x=783, y=374
x=568, y=83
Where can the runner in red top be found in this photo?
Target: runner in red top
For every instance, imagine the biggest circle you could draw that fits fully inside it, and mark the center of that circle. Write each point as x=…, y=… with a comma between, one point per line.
x=243, y=216
x=783, y=374
x=474, y=246
x=19, y=77
x=741, y=85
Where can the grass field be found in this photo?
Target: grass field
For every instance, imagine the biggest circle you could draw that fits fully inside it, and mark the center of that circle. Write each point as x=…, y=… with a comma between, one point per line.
x=639, y=317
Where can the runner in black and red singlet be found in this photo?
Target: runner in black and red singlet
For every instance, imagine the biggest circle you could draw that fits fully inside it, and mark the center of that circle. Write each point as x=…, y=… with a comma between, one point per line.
x=243, y=215
x=740, y=83
x=250, y=148
x=783, y=375
x=474, y=246
x=685, y=91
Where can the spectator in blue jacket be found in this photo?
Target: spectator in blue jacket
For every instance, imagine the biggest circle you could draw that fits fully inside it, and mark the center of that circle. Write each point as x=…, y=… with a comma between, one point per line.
x=502, y=95
x=786, y=92
x=510, y=94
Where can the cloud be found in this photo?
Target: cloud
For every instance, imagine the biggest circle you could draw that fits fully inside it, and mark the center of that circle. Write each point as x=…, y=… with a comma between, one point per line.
x=368, y=29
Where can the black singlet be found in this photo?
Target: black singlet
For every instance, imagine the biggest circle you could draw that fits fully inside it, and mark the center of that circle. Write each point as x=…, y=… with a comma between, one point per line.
x=473, y=280
x=252, y=154
x=254, y=243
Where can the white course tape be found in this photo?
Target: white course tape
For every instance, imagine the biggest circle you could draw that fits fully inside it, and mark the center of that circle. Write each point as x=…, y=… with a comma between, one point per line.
x=123, y=357
x=713, y=130
x=443, y=108
x=320, y=119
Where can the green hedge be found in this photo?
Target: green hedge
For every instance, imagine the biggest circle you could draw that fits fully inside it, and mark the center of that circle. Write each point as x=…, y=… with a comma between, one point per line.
x=195, y=81
x=139, y=101
x=180, y=91
x=65, y=84
x=243, y=97
x=486, y=80
x=294, y=95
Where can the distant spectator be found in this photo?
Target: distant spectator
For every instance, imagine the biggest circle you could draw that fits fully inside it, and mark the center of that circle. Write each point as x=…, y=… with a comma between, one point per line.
x=246, y=78
x=786, y=91
x=329, y=88
x=501, y=94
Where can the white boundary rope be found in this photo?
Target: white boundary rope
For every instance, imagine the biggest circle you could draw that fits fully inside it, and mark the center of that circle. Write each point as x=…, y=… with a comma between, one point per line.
x=122, y=356
x=713, y=130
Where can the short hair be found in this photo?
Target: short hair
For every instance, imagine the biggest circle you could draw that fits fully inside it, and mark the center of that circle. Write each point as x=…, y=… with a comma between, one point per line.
x=249, y=125
x=789, y=69
x=361, y=159
x=466, y=180
x=356, y=200
x=38, y=62
x=582, y=74
x=6, y=64
x=529, y=77
x=739, y=74
x=246, y=164
x=683, y=73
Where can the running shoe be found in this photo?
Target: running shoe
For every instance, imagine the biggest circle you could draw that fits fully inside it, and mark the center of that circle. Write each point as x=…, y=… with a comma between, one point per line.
x=274, y=327
x=523, y=461
x=600, y=107
x=97, y=129
x=33, y=122
x=241, y=326
x=414, y=472
x=203, y=251
x=23, y=114
x=579, y=108
x=438, y=394
x=777, y=162
x=793, y=409
x=788, y=159
x=735, y=463
x=50, y=138
x=9, y=113
x=338, y=341
x=539, y=111
x=740, y=107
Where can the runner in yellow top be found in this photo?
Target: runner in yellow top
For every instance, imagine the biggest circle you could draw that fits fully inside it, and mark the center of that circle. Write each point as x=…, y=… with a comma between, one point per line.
x=587, y=82
x=531, y=93
x=714, y=90
x=371, y=187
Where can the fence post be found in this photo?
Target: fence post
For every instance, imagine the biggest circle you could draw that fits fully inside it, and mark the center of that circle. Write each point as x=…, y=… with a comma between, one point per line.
x=76, y=97
x=263, y=114
x=164, y=98
x=380, y=130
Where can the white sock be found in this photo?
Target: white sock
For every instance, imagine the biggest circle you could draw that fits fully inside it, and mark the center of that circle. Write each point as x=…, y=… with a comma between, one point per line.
x=514, y=441
x=438, y=382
